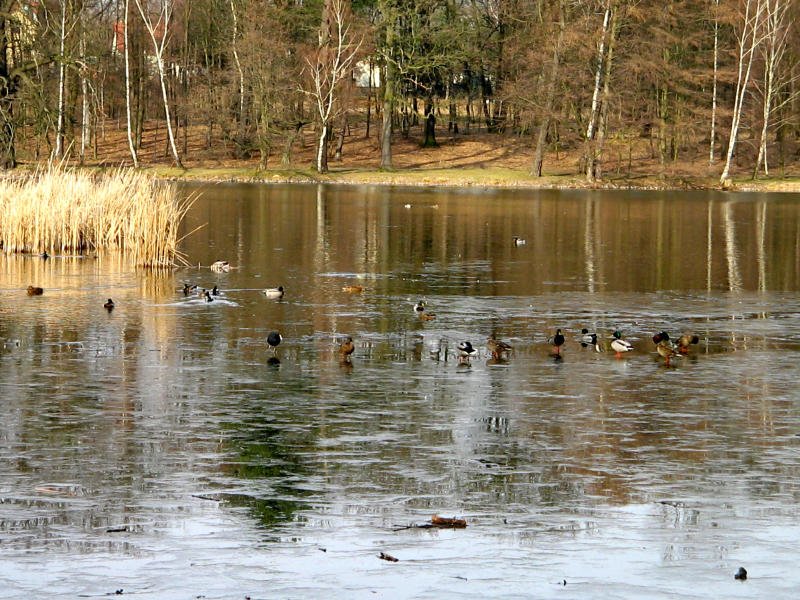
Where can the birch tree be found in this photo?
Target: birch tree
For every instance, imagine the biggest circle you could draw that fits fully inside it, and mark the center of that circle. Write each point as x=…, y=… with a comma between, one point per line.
x=777, y=22
x=235, y=51
x=70, y=15
x=749, y=39
x=713, y=133
x=331, y=64
x=159, y=33
x=594, y=129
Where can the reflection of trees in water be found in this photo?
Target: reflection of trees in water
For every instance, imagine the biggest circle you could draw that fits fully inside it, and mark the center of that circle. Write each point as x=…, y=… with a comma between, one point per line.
x=263, y=454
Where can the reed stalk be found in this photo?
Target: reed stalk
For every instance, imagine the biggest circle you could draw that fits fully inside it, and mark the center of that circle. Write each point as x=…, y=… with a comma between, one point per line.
x=60, y=211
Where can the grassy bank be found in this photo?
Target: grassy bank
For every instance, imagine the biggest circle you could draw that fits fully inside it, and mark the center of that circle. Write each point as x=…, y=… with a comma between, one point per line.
x=58, y=211
x=467, y=177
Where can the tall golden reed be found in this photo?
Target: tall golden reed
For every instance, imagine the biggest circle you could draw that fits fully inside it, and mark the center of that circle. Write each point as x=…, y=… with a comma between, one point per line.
x=59, y=210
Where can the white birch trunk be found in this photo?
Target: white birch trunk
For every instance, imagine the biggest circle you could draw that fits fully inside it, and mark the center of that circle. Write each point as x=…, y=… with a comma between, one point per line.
x=748, y=43
x=774, y=49
x=85, y=116
x=62, y=82
x=322, y=148
x=335, y=57
x=599, y=73
x=714, y=86
x=238, y=63
x=158, y=48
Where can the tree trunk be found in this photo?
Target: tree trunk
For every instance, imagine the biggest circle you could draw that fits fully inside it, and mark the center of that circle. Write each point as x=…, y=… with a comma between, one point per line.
x=239, y=71
x=600, y=98
x=8, y=91
x=430, y=125
x=322, y=149
x=713, y=133
x=131, y=145
x=389, y=83
x=62, y=83
x=544, y=125
x=340, y=142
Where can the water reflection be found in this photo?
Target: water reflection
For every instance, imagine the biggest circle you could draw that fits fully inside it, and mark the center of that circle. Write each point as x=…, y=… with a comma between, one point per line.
x=168, y=428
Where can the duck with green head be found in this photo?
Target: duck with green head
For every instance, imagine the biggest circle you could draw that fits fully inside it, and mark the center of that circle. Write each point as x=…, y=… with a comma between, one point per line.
x=664, y=346
x=619, y=345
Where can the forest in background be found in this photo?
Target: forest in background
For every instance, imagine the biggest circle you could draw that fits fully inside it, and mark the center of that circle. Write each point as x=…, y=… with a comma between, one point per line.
x=708, y=82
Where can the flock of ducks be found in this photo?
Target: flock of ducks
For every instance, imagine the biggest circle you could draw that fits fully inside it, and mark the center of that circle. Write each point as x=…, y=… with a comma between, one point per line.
x=665, y=347
x=498, y=349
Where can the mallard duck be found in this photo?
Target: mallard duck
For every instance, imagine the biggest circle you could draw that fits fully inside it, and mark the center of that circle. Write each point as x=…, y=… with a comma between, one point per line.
x=273, y=340
x=619, y=345
x=558, y=340
x=419, y=309
x=220, y=266
x=465, y=352
x=518, y=241
x=686, y=340
x=35, y=291
x=188, y=289
x=589, y=339
x=109, y=305
x=346, y=348
x=497, y=348
x=274, y=292
x=665, y=347
x=353, y=289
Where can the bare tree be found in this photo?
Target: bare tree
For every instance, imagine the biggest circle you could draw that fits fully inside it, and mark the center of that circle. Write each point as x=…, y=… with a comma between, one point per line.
x=67, y=23
x=331, y=64
x=713, y=133
x=239, y=71
x=749, y=40
x=595, y=130
x=547, y=116
x=159, y=35
x=129, y=127
x=777, y=21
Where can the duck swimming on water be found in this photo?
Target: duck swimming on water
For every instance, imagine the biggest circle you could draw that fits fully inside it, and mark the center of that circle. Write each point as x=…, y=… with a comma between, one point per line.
x=346, y=348
x=109, y=305
x=274, y=292
x=221, y=266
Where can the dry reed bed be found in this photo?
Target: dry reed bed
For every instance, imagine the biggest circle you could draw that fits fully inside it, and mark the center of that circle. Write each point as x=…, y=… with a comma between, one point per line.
x=60, y=210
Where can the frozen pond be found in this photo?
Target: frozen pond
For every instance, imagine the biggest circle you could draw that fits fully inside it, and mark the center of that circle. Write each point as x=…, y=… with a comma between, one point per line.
x=162, y=450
